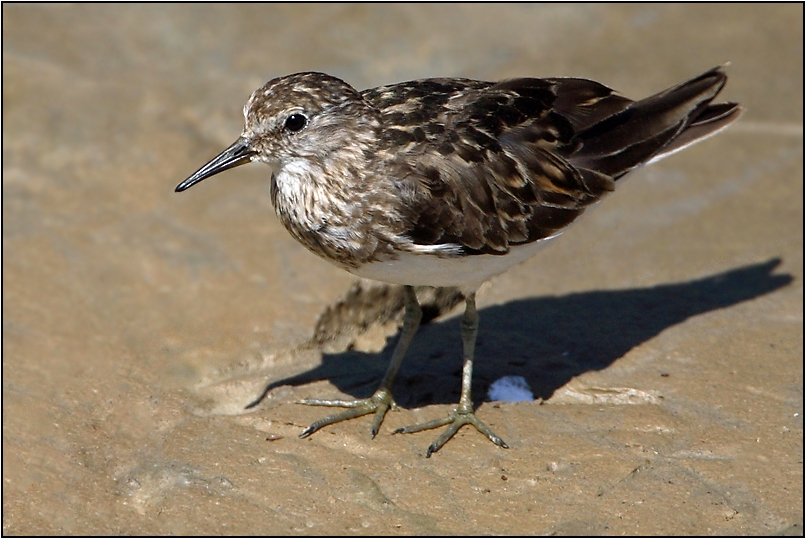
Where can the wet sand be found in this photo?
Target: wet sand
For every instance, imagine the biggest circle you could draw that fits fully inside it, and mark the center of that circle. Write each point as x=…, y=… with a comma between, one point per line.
x=662, y=335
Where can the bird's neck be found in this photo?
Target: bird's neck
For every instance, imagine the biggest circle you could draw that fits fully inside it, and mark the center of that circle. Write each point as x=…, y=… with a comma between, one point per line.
x=318, y=199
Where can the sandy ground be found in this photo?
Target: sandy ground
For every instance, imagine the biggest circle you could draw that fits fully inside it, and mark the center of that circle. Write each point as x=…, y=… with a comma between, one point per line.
x=663, y=334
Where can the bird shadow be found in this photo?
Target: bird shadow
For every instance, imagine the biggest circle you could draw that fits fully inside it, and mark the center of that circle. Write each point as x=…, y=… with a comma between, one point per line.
x=546, y=340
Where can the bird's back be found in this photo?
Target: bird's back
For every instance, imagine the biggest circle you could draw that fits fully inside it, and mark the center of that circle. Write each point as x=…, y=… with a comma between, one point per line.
x=482, y=166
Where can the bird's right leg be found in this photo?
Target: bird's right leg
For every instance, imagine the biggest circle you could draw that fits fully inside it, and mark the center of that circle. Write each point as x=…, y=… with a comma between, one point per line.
x=463, y=414
x=382, y=399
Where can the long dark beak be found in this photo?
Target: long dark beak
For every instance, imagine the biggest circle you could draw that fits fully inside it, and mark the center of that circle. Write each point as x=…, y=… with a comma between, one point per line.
x=236, y=155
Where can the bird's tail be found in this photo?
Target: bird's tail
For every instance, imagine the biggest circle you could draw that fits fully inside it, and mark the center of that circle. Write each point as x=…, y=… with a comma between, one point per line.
x=650, y=129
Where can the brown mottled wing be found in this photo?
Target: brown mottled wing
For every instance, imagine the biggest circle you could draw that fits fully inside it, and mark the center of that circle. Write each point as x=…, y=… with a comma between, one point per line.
x=655, y=126
x=478, y=163
x=485, y=166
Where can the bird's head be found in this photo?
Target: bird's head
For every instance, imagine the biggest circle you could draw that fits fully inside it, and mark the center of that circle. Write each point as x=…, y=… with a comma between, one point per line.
x=310, y=117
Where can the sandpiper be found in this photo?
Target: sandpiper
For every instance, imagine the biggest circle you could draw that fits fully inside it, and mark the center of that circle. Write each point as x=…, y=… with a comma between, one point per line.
x=448, y=182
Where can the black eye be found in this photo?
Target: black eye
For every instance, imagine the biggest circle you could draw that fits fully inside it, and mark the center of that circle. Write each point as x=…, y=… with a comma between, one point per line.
x=295, y=122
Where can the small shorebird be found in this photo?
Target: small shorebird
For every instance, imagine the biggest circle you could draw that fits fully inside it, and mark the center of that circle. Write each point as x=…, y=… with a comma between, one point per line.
x=448, y=182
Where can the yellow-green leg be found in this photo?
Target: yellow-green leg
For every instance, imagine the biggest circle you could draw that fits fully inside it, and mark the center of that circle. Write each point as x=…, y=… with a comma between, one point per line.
x=463, y=414
x=382, y=399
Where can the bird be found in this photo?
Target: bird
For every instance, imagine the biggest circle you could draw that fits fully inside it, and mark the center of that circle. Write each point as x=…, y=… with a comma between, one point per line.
x=447, y=182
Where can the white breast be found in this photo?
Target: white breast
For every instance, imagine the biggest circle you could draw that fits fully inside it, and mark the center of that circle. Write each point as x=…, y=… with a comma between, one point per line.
x=466, y=272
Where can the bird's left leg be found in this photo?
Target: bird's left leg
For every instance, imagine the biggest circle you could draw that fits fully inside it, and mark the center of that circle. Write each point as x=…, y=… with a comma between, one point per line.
x=382, y=399
x=463, y=414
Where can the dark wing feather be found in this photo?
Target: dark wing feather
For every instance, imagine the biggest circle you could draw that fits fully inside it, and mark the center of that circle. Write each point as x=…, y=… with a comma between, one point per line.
x=656, y=126
x=486, y=166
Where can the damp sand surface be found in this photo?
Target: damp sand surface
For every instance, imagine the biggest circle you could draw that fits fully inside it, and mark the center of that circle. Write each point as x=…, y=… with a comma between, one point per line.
x=662, y=336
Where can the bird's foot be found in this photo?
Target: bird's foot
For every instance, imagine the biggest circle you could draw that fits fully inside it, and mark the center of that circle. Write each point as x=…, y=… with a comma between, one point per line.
x=455, y=420
x=378, y=403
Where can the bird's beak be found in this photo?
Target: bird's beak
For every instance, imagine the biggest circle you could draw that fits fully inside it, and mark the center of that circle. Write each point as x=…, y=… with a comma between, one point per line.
x=236, y=155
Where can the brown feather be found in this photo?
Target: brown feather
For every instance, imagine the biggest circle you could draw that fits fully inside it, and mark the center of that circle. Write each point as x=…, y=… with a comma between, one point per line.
x=485, y=166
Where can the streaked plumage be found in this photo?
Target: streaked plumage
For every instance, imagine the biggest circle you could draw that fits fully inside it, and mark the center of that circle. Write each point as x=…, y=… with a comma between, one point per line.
x=447, y=182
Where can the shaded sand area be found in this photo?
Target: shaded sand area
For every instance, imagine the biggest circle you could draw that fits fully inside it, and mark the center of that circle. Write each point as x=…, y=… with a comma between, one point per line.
x=662, y=335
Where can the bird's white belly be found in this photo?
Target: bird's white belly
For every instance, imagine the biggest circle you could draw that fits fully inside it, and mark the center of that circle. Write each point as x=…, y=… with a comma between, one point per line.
x=466, y=272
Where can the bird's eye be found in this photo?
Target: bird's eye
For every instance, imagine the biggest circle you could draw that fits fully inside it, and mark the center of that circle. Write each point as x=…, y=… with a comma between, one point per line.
x=295, y=123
